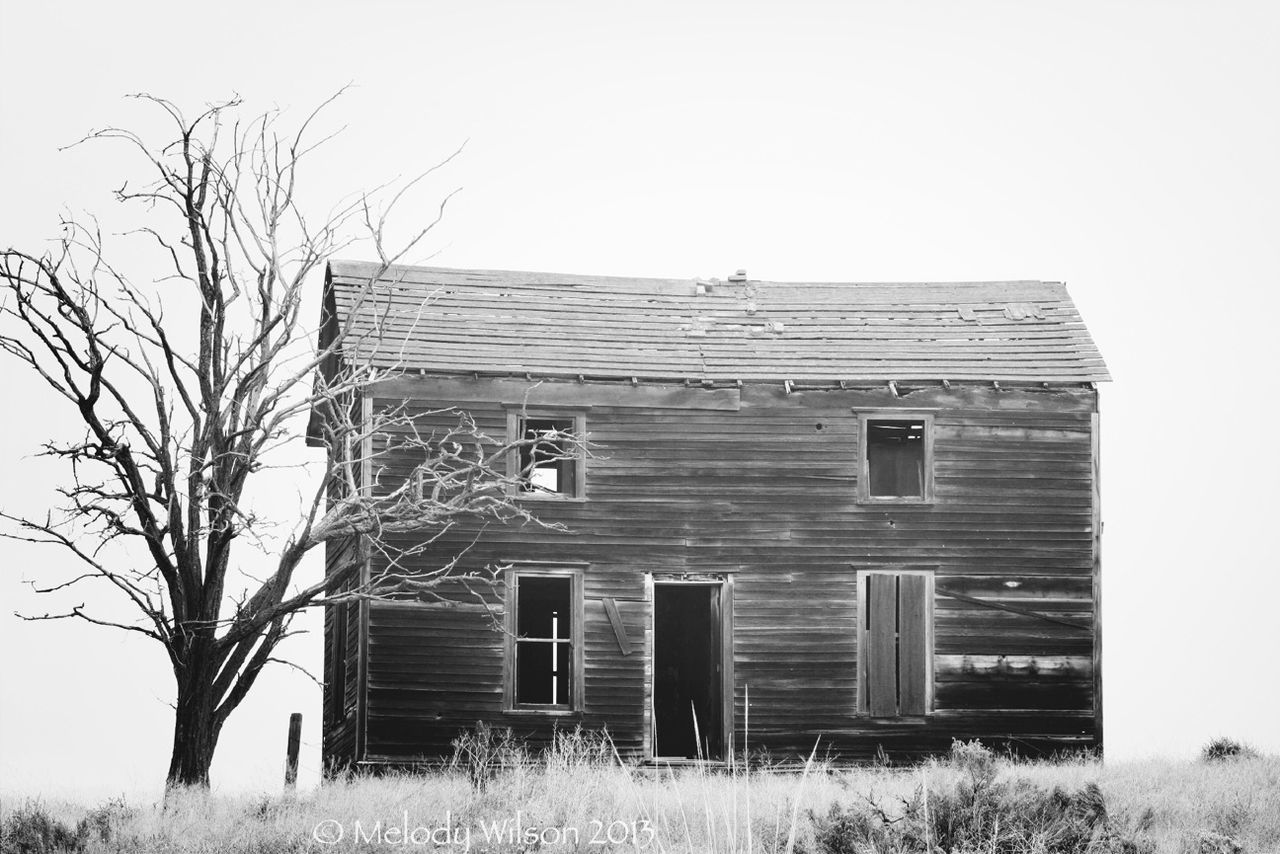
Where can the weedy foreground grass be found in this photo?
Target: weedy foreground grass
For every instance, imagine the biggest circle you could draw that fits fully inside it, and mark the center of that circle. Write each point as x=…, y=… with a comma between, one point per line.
x=577, y=796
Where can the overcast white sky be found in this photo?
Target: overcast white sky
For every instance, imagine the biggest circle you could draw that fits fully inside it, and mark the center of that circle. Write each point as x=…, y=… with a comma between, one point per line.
x=1129, y=149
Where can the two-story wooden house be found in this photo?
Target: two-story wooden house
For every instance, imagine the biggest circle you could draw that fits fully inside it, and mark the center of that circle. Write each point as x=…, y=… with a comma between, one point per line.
x=861, y=513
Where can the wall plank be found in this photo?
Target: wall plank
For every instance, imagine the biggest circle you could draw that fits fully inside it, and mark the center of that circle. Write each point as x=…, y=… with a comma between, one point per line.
x=913, y=652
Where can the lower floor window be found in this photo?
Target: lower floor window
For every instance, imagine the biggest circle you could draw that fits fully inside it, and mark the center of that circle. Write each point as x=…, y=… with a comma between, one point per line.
x=544, y=640
x=895, y=643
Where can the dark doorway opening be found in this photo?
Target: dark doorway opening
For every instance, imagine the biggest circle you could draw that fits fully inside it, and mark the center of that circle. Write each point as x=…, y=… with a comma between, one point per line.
x=687, y=671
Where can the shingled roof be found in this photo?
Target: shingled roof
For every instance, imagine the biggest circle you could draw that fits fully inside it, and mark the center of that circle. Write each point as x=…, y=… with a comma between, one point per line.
x=550, y=324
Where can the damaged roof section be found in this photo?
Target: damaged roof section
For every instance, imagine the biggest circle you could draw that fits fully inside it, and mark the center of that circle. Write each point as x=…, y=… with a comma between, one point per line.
x=463, y=321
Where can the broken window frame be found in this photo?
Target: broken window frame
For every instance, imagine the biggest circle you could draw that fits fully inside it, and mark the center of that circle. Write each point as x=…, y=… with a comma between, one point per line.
x=336, y=707
x=867, y=417
x=516, y=418
x=574, y=574
x=862, y=633
x=340, y=617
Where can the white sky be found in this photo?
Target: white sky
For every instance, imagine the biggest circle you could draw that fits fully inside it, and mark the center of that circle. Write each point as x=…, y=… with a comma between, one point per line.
x=1129, y=149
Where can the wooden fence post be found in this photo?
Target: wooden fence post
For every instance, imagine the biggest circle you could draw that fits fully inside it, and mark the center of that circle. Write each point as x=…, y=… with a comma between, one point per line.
x=291, y=759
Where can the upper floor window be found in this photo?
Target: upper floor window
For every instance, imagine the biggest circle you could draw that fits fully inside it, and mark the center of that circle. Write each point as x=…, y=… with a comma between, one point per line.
x=550, y=462
x=896, y=457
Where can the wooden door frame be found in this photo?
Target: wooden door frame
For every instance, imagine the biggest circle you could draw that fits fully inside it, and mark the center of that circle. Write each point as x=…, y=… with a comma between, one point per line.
x=724, y=604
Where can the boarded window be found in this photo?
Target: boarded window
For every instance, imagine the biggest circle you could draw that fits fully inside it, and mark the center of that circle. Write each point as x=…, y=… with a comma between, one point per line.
x=897, y=459
x=549, y=463
x=543, y=646
x=896, y=638
x=337, y=661
x=343, y=636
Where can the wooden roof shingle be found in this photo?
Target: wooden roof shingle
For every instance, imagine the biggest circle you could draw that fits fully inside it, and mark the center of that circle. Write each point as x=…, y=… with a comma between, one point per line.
x=549, y=324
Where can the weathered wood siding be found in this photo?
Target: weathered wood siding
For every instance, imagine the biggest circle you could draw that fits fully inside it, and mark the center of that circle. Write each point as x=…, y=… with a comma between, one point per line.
x=338, y=747
x=760, y=484
x=345, y=561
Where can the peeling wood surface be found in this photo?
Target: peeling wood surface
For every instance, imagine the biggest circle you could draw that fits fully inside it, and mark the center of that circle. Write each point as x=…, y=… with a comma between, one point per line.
x=763, y=495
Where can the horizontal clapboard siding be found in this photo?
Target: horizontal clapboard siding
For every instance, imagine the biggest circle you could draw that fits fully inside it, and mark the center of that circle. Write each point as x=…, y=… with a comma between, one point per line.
x=766, y=492
x=338, y=744
x=502, y=322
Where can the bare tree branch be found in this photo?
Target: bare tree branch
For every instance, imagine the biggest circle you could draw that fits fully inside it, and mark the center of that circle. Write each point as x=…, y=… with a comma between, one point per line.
x=186, y=385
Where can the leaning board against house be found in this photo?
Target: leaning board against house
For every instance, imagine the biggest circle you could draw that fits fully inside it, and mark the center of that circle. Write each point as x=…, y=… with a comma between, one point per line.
x=870, y=510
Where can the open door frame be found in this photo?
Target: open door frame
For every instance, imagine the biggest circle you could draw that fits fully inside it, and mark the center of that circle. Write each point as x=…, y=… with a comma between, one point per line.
x=723, y=582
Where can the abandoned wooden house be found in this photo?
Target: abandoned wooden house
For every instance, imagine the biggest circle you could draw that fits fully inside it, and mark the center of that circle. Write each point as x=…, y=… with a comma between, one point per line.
x=862, y=515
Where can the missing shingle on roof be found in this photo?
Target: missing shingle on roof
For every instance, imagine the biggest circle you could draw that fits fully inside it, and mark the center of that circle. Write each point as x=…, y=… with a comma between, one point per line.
x=698, y=328
x=1023, y=310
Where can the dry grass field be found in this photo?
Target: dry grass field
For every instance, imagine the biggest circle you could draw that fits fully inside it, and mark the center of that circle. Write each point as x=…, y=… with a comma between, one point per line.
x=579, y=798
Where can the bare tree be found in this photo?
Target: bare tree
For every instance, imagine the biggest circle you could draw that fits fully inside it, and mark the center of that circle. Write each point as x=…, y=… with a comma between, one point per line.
x=189, y=385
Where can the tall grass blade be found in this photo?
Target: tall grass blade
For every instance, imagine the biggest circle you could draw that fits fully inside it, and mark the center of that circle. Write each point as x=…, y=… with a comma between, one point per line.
x=795, y=804
x=746, y=754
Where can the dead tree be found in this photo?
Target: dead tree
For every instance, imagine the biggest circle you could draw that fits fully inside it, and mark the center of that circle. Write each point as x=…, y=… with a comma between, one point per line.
x=188, y=388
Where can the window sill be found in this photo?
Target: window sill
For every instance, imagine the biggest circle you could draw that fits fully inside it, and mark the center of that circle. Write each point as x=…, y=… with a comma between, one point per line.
x=547, y=712
x=534, y=496
x=872, y=500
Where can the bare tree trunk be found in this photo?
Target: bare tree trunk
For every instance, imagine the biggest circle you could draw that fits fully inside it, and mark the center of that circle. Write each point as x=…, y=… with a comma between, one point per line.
x=195, y=730
x=174, y=434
